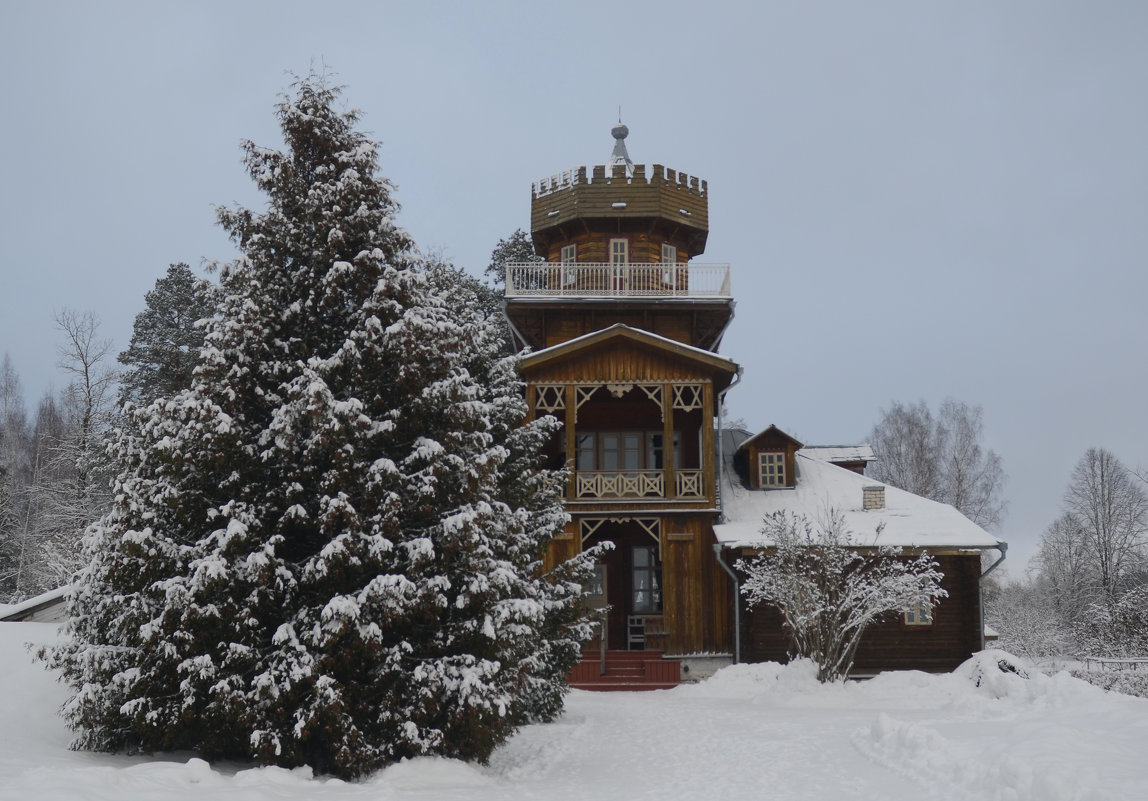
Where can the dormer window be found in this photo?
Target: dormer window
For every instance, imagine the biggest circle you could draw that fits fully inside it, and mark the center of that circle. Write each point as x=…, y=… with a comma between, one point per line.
x=772, y=469
x=766, y=461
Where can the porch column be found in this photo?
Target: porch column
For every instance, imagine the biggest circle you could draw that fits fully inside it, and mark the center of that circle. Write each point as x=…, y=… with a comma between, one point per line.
x=571, y=440
x=671, y=490
x=708, y=441
x=531, y=399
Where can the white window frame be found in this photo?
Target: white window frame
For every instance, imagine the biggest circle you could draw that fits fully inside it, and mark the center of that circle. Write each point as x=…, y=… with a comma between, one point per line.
x=619, y=247
x=770, y=478
x=669, y=262
x=920, y=615
x=569, y=257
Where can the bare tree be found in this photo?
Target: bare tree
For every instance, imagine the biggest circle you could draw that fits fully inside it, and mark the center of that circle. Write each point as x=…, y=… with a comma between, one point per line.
x=1025, y=618
x=14, y=442
x=829, y=591
x=941, y=458
x=1112, y=509
x=71, y=479
x=1065, y=568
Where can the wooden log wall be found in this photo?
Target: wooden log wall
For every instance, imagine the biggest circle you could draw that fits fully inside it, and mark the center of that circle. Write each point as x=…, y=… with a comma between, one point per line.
x=698, y=594
x=892, y=645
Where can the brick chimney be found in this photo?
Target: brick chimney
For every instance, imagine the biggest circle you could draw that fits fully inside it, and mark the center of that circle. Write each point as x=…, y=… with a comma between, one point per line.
x=873, y=497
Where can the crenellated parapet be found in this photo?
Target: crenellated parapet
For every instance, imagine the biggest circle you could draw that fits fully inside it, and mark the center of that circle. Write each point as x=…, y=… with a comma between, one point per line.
x=610, y=199
x=657, y=174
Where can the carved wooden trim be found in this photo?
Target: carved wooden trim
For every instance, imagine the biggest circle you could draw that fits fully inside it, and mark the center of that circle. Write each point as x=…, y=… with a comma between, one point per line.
x=687, y=397
x=550, y=397
x=651, y=525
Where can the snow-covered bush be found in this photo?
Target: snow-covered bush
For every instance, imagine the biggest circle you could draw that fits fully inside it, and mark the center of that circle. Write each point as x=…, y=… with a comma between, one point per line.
x=327, y=550
x=1119, y=629
x=829, y=590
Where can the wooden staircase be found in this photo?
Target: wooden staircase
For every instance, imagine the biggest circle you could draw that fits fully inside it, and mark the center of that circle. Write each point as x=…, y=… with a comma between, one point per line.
x=626, y=670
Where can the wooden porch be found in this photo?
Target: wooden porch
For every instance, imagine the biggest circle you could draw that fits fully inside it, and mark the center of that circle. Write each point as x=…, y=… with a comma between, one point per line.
x=625, y=671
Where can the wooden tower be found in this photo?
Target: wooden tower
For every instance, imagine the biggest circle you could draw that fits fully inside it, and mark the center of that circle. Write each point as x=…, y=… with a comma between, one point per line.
x=624, y=328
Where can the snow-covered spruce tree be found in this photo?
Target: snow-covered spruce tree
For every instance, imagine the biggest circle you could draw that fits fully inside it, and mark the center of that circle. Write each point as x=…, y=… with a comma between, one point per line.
x=829, y=590
x=165, y=340
x=326, y=550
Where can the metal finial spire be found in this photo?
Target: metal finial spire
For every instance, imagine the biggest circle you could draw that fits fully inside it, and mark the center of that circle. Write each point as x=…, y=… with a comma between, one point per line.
x=620, y=156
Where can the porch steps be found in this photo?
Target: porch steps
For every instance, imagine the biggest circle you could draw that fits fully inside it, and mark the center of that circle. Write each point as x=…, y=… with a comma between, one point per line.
x=626, y=670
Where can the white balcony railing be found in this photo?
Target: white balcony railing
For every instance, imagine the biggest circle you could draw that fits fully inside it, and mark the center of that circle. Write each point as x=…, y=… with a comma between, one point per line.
x=596, y=484
x=608, y=484
x=597, y=280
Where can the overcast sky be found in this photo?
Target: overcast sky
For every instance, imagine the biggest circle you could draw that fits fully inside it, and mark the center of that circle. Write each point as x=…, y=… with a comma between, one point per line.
x=918, y=200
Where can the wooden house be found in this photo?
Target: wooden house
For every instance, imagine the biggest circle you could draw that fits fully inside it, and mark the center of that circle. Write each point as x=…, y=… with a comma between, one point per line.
x=624, y=323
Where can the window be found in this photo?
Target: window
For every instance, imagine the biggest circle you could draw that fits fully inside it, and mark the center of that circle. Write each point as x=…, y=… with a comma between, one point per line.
x=587, y=456
x=655, y=451
x=622, y=451
x=569, y=258
x=772, y=469
x=669, y=258
x=619, y=251
x=647, y=584
x=596, y=586
x=920, y=615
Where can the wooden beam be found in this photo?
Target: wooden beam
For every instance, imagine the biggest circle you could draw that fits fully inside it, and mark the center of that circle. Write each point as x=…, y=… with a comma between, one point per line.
x=708, y=440
x=571, y=439
x=668, y=439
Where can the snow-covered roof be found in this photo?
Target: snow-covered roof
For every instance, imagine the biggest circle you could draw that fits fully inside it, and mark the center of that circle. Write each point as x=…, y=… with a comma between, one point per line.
x=909, y=520
x=43, y=608
x=840, y=453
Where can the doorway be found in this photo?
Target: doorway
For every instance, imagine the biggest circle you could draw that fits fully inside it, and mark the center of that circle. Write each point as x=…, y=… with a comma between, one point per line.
x=631, y=581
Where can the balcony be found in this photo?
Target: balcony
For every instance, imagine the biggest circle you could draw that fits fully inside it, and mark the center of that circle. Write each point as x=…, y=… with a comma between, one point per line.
x=600, y=280
x=631, y=484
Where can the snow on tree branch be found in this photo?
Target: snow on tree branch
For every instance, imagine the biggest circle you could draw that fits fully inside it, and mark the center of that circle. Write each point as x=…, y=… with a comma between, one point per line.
x=829, y=591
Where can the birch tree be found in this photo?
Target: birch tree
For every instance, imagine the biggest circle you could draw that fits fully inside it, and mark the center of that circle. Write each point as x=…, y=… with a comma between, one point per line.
x=940, y=457
x=1111, y=510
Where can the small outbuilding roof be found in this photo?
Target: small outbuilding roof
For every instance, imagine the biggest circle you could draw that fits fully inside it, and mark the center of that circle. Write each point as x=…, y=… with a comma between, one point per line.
x=835, y=454
x=43, y=608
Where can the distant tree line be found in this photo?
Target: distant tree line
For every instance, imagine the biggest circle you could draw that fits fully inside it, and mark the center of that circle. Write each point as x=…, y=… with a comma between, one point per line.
x=1086, y=593
x=55, y=476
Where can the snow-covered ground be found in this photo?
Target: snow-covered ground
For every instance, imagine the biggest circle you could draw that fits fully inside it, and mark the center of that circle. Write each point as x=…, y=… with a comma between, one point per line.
x=752, y=731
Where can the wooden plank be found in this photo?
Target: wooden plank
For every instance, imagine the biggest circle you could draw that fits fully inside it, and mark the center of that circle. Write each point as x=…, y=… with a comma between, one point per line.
x=708, y=440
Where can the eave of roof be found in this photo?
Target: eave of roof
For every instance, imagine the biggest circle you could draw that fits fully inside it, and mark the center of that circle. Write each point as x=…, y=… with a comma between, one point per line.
x=637, y=335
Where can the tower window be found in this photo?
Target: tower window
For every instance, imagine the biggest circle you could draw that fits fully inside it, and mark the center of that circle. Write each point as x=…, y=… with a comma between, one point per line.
x=569, y=259
x=619, y=251
x=669, y=259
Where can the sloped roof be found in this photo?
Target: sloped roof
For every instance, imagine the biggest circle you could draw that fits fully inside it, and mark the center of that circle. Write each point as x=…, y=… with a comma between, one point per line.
x=909, y=520
x=620, y=331
x=771, y=430
x=47, y=607
x=840, y=453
